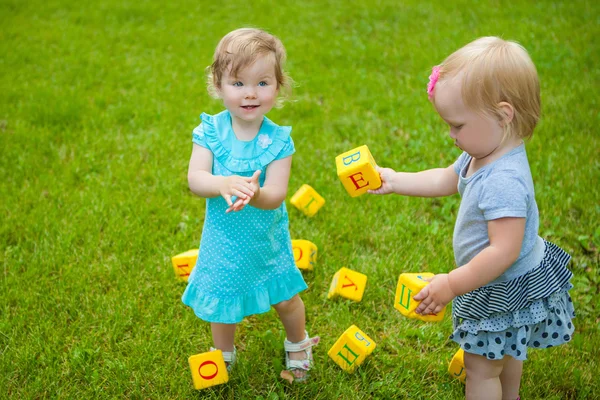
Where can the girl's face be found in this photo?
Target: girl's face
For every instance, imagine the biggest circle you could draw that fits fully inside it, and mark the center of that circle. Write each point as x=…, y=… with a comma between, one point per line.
x=477, y=134
x=252, y=93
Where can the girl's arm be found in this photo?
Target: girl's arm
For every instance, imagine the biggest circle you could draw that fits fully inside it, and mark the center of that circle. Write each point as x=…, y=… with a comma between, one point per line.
x=435, y=182
x=274, y=190
x=506, y=238
x=203, y=183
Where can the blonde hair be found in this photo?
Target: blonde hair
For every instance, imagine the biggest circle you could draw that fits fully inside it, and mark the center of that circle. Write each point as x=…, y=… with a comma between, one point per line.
x=494, y=70
x=241, y=48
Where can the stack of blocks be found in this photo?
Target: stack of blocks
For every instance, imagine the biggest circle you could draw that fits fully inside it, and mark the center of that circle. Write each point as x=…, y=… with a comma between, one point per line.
x=457, y=366
x=305, y=254
x=208, y=369
x=357, y=171
x=307, y=200
x=349, y=284
x=351, y=349
x=408, y=286
x=184, y=263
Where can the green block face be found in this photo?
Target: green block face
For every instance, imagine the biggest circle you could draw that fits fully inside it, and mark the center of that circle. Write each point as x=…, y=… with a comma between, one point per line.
x=404, y=301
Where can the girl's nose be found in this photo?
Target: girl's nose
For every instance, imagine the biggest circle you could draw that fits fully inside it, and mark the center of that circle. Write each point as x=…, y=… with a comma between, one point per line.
x=250, y=93
x=453, y=133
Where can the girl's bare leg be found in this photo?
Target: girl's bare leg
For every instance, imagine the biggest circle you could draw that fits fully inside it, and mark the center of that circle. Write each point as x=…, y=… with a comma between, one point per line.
x=510, y=378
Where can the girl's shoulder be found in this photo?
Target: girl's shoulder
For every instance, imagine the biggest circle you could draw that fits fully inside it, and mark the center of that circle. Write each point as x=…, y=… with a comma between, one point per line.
x=272, y=142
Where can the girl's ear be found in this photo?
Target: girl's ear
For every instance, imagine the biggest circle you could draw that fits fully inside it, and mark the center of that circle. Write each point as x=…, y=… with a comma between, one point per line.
x=507, y=112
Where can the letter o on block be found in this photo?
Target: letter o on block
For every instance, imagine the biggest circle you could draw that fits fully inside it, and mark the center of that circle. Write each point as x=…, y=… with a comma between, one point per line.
x=305, y=254
x=351, y=349
x=208, y=369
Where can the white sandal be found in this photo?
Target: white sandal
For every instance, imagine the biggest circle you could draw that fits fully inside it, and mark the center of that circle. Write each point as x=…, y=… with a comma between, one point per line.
x=228, y=356
x=305, y=364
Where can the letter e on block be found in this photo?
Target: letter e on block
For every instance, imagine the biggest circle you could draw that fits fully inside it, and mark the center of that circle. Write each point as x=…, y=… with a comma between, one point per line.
x=357, y=171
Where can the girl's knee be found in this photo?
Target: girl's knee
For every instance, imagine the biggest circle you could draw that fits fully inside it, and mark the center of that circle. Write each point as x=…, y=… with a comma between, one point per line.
x=290, y=304
x=479, y=367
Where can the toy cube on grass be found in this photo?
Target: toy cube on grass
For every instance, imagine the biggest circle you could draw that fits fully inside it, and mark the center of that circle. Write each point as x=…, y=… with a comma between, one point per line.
x=408, y=286
x=307, y=200
x=351, y=349
x=208, y=369
x=349, y=284
x=184, y=263
x=356, y=170
x=305, y=254
x=457, y=366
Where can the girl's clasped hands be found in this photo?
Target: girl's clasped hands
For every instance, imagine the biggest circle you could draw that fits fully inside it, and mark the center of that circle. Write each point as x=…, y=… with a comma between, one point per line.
x=243, y=188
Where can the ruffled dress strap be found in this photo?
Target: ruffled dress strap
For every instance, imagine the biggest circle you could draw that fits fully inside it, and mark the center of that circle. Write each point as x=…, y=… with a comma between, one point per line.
x=272, y=142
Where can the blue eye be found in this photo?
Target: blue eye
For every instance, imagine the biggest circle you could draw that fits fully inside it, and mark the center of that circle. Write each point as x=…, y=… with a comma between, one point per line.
x=238, y=84
x=262, y=83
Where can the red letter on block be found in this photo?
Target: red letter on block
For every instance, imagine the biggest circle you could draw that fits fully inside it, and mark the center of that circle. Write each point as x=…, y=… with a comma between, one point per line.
x=208, y=377
x=355, y=181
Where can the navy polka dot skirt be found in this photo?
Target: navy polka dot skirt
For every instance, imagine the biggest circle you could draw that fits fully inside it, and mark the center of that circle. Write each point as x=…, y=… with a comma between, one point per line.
x=531, y=311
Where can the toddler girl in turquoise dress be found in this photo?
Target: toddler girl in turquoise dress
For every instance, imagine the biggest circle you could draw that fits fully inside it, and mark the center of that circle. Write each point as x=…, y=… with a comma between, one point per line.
x=241, y=164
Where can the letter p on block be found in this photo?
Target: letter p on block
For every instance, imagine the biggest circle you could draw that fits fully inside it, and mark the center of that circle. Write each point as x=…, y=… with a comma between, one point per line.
x=351, y=349
x=408, y=286
x=356, y=170
x=208, y=369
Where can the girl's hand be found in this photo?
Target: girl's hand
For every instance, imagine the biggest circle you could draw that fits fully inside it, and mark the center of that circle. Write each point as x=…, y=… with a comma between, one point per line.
x=238, y=186
x=254, y=186
x=386, y=175
x=434, y=296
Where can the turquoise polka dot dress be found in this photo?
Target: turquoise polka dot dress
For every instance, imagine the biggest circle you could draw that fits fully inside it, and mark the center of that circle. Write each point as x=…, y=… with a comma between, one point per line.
x=245, y=263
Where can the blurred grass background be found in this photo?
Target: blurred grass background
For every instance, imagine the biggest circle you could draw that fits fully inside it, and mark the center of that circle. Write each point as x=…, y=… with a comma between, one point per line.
x=97, y=103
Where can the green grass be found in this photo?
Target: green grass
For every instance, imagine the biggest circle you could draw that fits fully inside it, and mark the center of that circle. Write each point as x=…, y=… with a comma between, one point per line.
x=98, y=100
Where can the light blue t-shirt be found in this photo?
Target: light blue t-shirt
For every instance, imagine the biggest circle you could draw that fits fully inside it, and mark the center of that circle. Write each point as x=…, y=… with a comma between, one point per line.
x=501, y=189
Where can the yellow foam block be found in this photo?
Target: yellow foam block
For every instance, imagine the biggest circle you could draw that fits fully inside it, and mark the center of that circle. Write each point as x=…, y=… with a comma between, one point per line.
x=305, y=254
x=457, y=366
x=184, y=263
x=208, y=369
x=307, y=200
x=351, y=349
x=408, y=286
x=356, y=170
x=348, y=283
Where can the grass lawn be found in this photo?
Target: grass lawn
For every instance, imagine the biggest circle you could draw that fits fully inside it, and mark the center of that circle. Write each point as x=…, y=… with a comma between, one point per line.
x=98, y=101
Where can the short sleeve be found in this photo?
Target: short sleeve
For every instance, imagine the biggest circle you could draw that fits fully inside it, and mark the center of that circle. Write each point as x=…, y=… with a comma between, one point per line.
x=198, y=136
x=287, y=150
x=504, y=194
x=460, y=162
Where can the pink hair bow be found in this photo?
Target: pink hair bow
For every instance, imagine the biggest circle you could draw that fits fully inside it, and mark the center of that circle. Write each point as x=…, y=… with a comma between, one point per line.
x=433, y=78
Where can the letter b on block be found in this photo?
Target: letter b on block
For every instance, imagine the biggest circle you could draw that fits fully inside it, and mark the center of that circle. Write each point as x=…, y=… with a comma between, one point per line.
x=408, y=286
x=184, y=263
x=349, y=284
x=457, y=366
x=356, y=170
x=208, y=369
x=305, y=254
x=307, y=200
x=351, y=349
